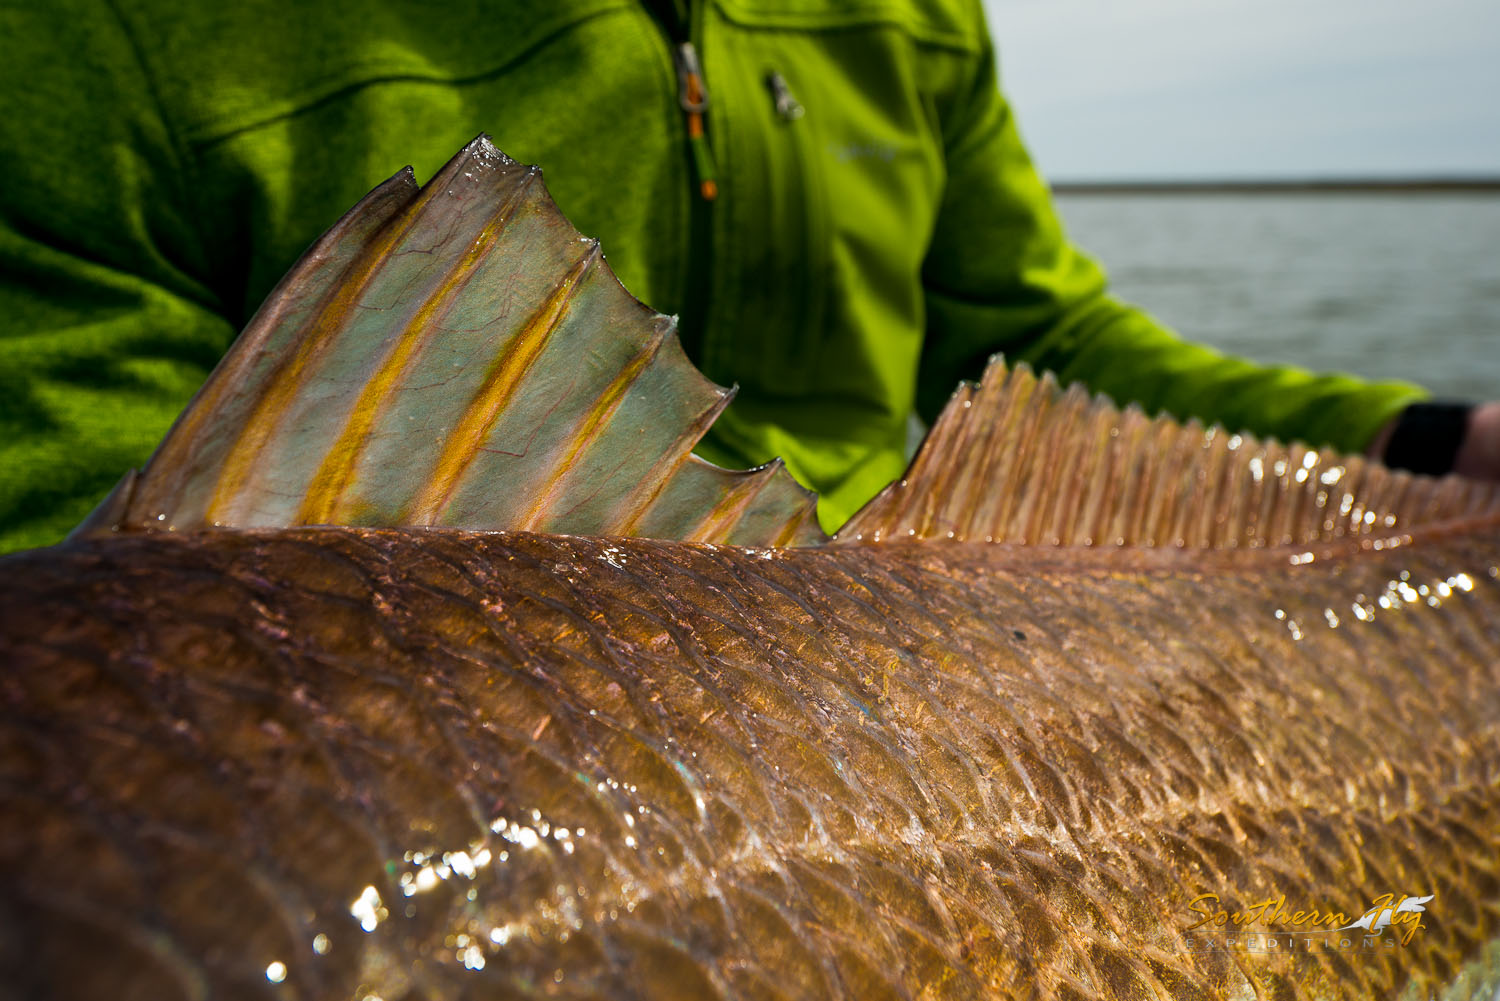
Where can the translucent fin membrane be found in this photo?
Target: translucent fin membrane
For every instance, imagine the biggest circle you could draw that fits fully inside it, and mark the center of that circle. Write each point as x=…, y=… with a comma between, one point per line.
x=458, y=355
x=1017, y=459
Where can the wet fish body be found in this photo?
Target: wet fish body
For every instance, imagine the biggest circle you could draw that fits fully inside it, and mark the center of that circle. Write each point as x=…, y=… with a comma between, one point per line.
x=518, y=765
x=1067, y=712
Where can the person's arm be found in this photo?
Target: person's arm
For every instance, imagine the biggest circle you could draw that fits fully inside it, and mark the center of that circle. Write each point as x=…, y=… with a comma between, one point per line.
x=107, y=325
x=1002, y=276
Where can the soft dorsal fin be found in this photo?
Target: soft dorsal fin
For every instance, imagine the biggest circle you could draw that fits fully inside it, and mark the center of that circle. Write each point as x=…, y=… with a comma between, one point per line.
x=1016, y=459
x=458, y=355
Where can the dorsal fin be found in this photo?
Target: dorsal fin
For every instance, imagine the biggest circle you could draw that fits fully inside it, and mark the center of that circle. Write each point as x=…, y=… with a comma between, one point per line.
x=1016, y=459
x=458, y=355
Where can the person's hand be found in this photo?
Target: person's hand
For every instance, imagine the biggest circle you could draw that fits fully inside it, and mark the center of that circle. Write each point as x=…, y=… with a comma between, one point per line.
x=1478, y=453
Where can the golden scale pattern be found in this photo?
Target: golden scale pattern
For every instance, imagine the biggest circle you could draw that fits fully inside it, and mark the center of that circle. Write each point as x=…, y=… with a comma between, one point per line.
x=426, y=763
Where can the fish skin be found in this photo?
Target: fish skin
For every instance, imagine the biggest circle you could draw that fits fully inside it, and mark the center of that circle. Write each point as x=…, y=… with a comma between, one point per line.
x=907, y=771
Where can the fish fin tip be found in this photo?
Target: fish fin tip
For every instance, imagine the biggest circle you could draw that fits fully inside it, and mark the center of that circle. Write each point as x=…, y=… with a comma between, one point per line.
x=761, y=507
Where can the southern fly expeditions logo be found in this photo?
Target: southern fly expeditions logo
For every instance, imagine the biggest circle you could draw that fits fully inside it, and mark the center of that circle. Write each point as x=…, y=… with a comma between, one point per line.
x=1270, y=926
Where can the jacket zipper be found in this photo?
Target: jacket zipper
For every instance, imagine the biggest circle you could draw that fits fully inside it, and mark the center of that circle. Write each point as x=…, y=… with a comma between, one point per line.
x=693, y=96
x=675, y=20
x=692, y=92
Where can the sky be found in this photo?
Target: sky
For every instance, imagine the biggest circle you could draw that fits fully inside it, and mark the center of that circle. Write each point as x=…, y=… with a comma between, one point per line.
x=1194, y=89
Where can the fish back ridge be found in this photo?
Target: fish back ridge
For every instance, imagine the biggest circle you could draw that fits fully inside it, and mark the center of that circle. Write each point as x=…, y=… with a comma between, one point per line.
x=457, y=355
x=1018, y=459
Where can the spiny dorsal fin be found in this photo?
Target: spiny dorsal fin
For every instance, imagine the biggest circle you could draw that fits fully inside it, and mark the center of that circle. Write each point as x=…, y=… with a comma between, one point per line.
x=458, y=355
x=1016, y=459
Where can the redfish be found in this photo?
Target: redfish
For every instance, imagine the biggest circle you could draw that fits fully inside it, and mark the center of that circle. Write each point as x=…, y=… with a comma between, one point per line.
x=424, y=660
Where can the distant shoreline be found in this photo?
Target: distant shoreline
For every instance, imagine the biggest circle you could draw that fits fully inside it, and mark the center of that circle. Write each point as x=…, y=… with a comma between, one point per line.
x=1331, y=186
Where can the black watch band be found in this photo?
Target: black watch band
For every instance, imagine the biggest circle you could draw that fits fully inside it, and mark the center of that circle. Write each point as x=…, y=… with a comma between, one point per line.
x=1427, y=437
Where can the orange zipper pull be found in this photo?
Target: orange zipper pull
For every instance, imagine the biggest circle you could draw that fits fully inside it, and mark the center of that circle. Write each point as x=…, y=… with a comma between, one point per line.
x=693, y=96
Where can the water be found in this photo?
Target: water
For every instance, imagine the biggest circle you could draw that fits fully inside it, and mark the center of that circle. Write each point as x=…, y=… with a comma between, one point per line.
x=1385, y=286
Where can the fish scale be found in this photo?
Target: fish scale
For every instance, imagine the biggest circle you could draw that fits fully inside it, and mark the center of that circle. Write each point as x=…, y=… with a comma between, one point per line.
x=689, y=771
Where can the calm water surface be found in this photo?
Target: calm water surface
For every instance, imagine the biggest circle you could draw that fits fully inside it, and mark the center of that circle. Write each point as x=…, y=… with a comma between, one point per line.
x=1386, y=286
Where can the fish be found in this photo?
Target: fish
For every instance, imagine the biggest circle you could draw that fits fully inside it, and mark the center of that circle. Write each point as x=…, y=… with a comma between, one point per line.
x=424, y=660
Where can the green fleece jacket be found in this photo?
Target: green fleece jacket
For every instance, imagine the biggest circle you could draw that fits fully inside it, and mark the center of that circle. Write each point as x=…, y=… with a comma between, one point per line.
x=167, y=160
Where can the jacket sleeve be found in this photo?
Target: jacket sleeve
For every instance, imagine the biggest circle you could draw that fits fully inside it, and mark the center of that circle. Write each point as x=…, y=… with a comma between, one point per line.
x=1001, y=276
x=107, y=324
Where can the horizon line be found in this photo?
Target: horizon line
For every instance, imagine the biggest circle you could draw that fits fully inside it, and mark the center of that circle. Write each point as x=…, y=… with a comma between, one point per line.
x=1433, y=183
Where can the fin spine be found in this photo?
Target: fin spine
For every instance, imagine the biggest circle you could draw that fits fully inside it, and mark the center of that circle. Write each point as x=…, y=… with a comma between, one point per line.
x=171, y=466
x=797, y=527
x=500, y=385
x=719, y=522
x=328, y=493
x=665, y=468
x=282, y=387
x=586, y=434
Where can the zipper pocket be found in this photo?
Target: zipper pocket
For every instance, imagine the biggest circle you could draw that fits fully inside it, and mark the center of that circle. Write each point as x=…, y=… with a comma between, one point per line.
x=788, y=108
